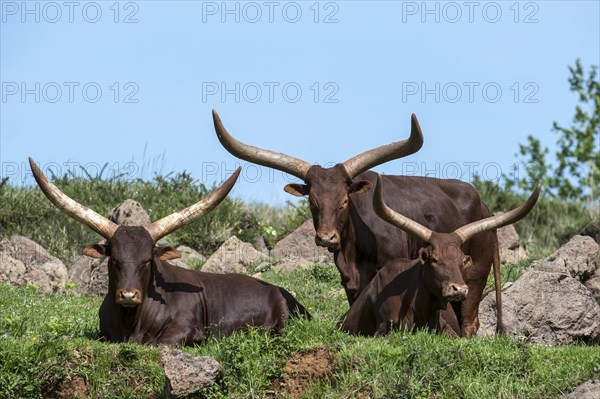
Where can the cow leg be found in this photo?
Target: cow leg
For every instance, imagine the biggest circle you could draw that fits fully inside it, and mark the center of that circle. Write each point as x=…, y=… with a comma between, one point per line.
x=481, y=251
x=180, y=335
x=446, y=321
x=349, y=280
x=383, y=328
x=469, y=309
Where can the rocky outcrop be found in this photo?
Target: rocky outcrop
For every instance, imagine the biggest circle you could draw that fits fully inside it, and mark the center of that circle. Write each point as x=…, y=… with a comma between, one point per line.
x=190, y=258
x=187, y=374
x=299, y=248
x=129, y=213
x=233, y=256
x=577, y=258
x=190, y=254
x=509, y=243
x=544, y=307
x=23, y=261
x=89, y=275
x=587, y=390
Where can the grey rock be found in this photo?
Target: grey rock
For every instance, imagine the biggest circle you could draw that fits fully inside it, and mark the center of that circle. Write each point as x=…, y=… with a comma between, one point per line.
x=577, y=258
x=27, y=251
x=179, y=263
x=587, y=390
x=544, y=307
x=187, y=374
x=593, y=284
x=49, y=277
x=11, y=269
x=510, y=256
x=299, y=247
x=259, y=244
x=508, y=237
x=129, y=213
x=188, y=253
x=291, y=263
x=509, y=243
x=232, y=257
x=23, y=261
x=89, y=275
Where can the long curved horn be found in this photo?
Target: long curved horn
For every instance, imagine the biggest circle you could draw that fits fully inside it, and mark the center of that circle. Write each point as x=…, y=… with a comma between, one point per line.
x=395, y=218
x=168, y=224
x=271, y=159
x=468, y=231
x=83, y=214
x=385, y=153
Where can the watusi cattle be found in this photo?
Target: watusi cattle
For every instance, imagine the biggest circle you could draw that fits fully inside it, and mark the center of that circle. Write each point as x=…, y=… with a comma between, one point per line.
x=340, y=201
x=150, y=301
x=407, y=294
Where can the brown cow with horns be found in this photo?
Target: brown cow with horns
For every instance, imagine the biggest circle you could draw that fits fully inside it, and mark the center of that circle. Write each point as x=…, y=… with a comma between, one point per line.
x=407, y=293
x=341, y=201
x=151, y=301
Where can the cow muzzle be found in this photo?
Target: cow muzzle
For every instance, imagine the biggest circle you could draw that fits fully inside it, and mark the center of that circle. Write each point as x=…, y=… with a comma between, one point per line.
x=129, y=297
x=455, y=292
x=329, y=239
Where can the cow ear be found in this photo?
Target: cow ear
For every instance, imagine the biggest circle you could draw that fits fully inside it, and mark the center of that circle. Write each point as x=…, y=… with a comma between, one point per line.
x=360, y=187
x=97, y=251
x=166, y=253
x=423, y=255
x=299, y=190
x=467, y=262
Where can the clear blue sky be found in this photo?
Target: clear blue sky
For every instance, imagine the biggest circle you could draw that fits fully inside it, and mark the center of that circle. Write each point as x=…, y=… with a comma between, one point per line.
x=362, y=69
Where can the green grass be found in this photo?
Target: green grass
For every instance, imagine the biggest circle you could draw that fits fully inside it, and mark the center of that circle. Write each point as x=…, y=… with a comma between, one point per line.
x=26, y=211
x=47, y=339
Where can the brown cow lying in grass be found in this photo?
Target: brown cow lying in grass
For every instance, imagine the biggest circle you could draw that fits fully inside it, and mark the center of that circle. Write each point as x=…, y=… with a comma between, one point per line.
x=407, y=294
x=152, y=301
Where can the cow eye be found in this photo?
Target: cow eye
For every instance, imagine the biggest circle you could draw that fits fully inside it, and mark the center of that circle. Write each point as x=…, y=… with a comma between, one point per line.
x=344, y=204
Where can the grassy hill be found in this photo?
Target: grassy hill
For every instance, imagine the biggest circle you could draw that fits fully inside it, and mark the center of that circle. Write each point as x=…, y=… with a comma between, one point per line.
x=48, y=347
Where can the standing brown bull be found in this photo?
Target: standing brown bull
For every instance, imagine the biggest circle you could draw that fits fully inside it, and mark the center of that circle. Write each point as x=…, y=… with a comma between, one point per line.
x=341, y=201
x=152, y=301
x=408, y=293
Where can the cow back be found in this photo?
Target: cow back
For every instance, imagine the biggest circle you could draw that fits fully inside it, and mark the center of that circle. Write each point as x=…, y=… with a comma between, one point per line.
x=441, y=205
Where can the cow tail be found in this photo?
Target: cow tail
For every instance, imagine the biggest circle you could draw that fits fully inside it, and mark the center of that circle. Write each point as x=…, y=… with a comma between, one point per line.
x=295, y=308
x=498, y=287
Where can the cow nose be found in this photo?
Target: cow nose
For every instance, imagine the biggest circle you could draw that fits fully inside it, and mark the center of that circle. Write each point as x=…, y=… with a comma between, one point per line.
x=129, y=297
x=456, y=292
x=328, y=238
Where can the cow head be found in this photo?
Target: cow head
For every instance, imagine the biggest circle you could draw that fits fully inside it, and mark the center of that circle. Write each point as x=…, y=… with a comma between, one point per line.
x=441, y=254
x=131, y=249
x=444, y=264
x=328, y=189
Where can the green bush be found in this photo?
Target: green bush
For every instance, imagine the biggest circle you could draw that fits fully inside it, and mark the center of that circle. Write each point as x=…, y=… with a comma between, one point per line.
x=550, y=223
x=26, y=211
